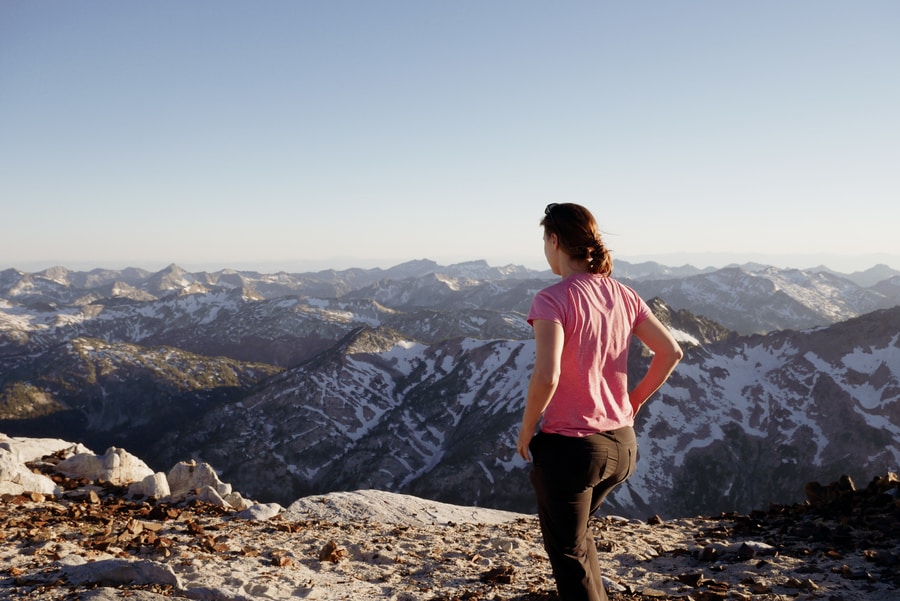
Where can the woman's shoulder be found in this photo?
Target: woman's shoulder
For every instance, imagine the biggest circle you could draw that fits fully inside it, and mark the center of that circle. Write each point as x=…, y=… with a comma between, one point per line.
x=555, y=287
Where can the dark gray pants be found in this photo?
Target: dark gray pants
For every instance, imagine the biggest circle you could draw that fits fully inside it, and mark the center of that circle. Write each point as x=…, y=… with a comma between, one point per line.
x=571, y=477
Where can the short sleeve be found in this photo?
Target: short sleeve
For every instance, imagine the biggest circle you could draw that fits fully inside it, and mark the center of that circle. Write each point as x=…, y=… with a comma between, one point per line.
x=545, y=306
x=642, y=309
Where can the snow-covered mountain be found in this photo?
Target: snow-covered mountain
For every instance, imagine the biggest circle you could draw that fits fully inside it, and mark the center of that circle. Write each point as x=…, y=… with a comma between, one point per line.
x=412, y=379
x=747, y=299
x=771, y=299
x=740, y=424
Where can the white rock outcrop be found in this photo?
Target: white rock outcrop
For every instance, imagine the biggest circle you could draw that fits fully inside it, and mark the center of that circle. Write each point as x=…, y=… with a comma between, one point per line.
x=155, y=486
x=17, y=479
x=15, y=476
x=188, y=480
x=116, y=466
x=34, y=449
x=190, y=477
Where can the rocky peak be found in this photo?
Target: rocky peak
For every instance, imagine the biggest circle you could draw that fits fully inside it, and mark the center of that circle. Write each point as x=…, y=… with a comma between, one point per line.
x=90, y=538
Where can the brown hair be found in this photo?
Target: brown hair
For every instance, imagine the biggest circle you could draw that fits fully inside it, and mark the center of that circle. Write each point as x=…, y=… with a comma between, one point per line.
x=576, y=230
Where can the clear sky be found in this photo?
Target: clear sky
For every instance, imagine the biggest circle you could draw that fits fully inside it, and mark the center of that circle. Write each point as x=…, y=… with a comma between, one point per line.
x=311, y=134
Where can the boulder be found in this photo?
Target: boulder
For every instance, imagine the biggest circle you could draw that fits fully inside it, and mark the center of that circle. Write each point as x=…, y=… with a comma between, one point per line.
x=189, y=477
x=33, y=449
x=155, y=486
x=116, y=466
x=238, y=502
x=260, y=512
x=208, y=494
x=17, y=479
x=113, y=572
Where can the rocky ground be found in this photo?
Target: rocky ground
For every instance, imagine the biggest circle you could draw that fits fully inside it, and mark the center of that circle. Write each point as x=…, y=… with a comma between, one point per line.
x=95, y=543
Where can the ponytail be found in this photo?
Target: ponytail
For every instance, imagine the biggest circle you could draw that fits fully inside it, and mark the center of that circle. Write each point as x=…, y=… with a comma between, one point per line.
x=599, y=259
x=576, y=229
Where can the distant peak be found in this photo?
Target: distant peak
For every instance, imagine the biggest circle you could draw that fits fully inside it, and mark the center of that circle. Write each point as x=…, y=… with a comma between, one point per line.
x=474, y=263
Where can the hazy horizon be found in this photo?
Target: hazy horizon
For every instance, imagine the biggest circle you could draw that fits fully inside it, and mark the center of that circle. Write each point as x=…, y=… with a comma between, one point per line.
x=842, y=264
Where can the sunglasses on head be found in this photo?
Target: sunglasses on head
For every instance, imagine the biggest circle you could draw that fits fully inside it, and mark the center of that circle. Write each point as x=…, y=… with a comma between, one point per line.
x=548, y=211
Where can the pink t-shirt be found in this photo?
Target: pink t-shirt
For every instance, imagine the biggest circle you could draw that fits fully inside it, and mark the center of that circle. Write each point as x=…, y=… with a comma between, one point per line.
x=598, y=315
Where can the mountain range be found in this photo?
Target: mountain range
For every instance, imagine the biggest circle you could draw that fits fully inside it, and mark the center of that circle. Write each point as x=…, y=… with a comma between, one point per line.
x=412, y=379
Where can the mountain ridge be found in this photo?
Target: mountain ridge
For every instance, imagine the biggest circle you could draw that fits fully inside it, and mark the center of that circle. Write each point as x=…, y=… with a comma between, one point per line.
x=414, y=382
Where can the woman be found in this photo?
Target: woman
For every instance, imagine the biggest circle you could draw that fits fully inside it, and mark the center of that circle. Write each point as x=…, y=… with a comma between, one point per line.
x=579, y=393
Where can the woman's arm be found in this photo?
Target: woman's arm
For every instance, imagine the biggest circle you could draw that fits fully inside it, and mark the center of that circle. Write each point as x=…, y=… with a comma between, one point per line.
x=666, y=355
x=548, y=340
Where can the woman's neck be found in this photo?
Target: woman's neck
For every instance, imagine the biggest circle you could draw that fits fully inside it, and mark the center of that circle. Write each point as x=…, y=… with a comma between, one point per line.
x=572, y=266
